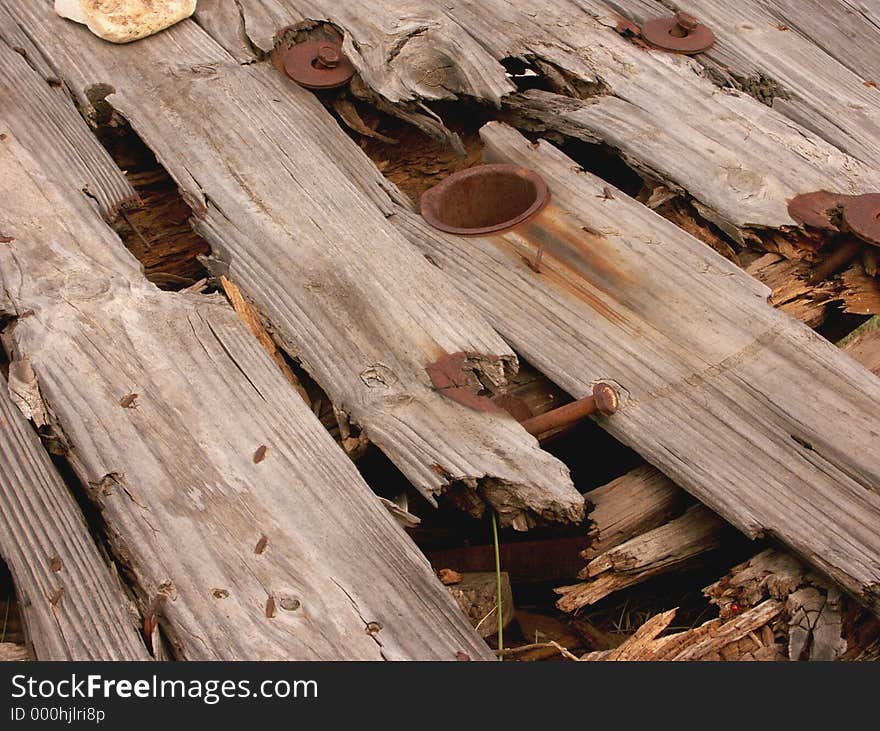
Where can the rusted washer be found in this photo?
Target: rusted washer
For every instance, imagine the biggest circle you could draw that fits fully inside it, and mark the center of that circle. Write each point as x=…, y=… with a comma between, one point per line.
x=318, y=65
x=485, y=199
x=815, y=209
x=680, y=34
x=862, y=216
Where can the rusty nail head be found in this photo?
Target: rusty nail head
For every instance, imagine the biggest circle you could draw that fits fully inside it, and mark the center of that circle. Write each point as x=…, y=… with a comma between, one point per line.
x=317, y=65
x=862, y=216
x=686, y=21
x=485, y=199
x=817, y=209
x=607, y=401
x=328, y=56
x=679, y=34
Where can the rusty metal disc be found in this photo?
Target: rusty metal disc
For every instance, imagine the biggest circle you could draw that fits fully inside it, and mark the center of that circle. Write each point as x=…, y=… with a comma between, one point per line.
x=816, y=209
x=668, y=34
x=318, y=65
x=862, y=216
x=484, y=199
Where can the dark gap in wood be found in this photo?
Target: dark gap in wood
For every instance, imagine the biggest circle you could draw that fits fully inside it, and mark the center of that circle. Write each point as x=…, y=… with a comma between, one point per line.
x=98, y=529
x=602, y=161
x=157, y=232
x=526, y=75
x=418, y=162
x=11, y=625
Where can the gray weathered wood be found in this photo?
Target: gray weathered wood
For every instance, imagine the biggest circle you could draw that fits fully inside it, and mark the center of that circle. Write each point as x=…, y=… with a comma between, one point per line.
x=73, y=604
x=340, y=287
x=803, y=57
x=246, y=532
x=761, y=419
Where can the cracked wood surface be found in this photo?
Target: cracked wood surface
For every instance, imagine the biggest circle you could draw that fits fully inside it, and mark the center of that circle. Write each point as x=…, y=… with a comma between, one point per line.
x=246, y=531
x=737, y=158
x=813, y=60
x=767, y=423
x=73, y=604
x=341, y=288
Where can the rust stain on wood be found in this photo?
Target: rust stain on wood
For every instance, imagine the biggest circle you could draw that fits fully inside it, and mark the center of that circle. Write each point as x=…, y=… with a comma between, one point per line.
x=55, y=599
x=128, y=402
x=260, y=454
x=55, y=564
x=270, y=607
x=451, y=376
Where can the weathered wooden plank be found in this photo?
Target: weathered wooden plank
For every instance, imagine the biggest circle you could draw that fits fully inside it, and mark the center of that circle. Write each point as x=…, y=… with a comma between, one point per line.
x=790, y=53
x=342, y=290
x=82, y=164
x=712, y=379
x=737, y=158
x=73, y=604
x=246, y=531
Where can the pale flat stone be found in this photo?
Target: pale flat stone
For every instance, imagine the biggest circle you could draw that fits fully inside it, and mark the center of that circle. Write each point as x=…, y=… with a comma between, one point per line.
x=123, y=21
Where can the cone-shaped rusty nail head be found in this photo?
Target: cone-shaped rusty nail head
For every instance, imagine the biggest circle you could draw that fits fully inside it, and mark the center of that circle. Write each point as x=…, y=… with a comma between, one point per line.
x=862, y=216
x=318, y=65
x=485, y=199
x=607, y=401
x=680, y=34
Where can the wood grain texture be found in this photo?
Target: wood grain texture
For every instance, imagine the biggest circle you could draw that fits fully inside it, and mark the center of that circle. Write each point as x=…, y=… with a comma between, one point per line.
x=711, y=377
x=165, y=401
x=341, y=288
x=46, y=544
x=666, y=548
x=804, y=58
x=736, y=157
x=84, y=165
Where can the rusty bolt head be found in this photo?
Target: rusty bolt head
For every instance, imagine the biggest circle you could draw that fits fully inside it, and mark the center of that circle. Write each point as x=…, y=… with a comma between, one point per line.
x=607, y=401
x=686, y=21
x=485, y=199
x=328, y=57
x=316, y=64
x=817, y=209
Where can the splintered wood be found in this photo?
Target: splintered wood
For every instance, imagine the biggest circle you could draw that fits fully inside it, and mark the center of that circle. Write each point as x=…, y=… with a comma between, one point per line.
x=241, y=529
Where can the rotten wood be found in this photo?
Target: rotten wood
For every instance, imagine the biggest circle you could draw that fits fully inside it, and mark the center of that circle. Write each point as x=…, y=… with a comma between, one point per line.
x=671, y=546
x=477, y=595
x=710, y=375
x=709, y=641
x=178, y=470
x=342, y=290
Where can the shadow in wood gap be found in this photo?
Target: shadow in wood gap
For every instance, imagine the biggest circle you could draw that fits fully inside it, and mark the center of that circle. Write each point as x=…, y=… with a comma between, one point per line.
x=157, y=231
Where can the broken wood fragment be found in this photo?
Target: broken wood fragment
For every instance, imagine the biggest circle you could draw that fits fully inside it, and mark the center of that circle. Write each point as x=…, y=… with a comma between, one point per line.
x=663, y=549
x=477, y=595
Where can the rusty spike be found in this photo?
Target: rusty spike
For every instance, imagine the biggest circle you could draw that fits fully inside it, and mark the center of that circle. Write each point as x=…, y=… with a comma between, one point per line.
x=604, y=400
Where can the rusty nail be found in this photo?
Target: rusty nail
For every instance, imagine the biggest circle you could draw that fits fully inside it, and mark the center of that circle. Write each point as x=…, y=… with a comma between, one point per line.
x=604, y=400
x=484, y=199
